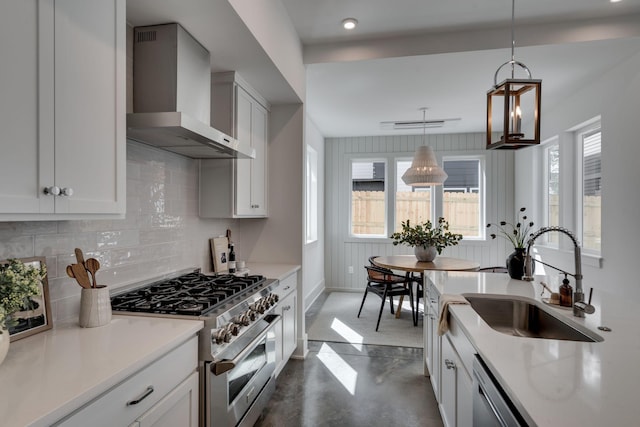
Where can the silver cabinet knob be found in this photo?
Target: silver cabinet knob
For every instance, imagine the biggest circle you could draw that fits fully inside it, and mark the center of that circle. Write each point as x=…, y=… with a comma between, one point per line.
x=67, y=191
x=449, y=364
x=53, y=190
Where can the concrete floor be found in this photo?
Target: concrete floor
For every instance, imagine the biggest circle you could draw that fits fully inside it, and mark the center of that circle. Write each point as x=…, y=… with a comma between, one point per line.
x=344, y=385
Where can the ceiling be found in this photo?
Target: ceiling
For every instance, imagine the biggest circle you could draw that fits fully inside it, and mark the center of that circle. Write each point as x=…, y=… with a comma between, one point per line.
x=408, y=54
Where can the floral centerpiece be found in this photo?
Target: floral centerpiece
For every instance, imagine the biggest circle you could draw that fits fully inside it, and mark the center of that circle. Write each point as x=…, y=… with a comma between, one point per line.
x=18, y=283
x=517, y=234
x=426, y=238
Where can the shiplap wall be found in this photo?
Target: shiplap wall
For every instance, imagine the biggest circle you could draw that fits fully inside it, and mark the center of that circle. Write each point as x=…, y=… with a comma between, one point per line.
x=342, y=250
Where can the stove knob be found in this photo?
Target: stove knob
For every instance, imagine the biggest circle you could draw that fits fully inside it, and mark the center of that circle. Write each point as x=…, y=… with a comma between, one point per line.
x=259, y=307
x=227, y=336
x=244, y=319
x=234, y=329
x=219, y=336
x=252, y=315
x=274, y=297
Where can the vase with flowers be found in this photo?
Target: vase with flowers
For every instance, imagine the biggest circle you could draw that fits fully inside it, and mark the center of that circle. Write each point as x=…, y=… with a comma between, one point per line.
x=428, y=239
x=18, y=283
x=517, y=234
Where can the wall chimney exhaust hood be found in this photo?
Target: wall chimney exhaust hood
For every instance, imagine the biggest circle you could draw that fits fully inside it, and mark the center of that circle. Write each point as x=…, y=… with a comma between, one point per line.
x=172, y=96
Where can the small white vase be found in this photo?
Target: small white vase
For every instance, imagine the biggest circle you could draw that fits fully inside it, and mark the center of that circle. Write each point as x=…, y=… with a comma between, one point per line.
x=4, y=343
x=425, y=255
x=95, y=307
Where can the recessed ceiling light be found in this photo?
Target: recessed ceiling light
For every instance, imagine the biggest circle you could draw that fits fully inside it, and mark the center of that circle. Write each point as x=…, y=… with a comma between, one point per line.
x=349, y=23
x=615, y=1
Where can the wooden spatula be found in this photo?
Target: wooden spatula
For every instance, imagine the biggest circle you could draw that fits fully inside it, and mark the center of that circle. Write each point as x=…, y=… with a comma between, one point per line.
x=79, y=256
x=80, y=273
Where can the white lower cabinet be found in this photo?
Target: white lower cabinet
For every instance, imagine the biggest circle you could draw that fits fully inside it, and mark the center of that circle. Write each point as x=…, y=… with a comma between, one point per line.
x=178, y=408
x=432, y=339
x=456, y=388
x=449, y=360
x=165, y=393
x=287, y=329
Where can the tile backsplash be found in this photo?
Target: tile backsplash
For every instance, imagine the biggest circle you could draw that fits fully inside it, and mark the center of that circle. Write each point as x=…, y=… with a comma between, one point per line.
x=161, y=232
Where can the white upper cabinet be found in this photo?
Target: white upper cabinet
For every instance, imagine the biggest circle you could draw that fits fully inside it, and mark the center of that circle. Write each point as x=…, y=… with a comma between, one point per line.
x=236, y=188
x=63, y=109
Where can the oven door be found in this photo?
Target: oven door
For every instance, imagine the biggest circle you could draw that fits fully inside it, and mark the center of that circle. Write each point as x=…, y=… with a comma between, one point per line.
x=239, y=385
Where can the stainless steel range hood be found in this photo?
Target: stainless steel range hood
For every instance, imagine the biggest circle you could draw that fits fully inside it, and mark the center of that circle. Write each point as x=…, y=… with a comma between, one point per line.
x=172, y=96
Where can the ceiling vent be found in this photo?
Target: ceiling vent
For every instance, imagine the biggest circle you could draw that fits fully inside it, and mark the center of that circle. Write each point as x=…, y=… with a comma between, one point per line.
x=417, y=124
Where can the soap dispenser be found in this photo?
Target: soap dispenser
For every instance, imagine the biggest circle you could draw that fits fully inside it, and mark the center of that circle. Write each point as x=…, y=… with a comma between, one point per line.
x=566, y=293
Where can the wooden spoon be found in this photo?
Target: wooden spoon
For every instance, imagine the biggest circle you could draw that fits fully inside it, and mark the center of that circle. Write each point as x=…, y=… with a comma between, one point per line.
x=79, y=256
x=70, y=272
x=81, y=275
x=93, y=265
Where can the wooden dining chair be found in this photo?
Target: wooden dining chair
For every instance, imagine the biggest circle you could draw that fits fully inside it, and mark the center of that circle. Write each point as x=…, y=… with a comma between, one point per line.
x=417, y=278
x=384, y=283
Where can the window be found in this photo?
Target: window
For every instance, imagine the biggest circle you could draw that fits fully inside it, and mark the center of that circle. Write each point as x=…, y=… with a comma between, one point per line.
x=463, y=196
x=552, y=186
x=312, y=195
x=589, y=144
x=411, y=203
x=368, y=201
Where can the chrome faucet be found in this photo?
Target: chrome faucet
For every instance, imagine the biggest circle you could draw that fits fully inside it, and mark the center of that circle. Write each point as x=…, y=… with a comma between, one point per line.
x=579, y=306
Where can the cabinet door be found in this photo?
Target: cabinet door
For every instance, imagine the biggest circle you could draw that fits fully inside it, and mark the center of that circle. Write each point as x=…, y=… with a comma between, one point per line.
x=27, y=153
x=178, y=408
x=62, y=109
x=89, y=105
x=250, y=185
x=289, y=325
x=448, y=384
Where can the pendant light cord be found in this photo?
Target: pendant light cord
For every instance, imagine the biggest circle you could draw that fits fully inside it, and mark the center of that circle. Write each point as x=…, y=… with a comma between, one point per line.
x=513, y=38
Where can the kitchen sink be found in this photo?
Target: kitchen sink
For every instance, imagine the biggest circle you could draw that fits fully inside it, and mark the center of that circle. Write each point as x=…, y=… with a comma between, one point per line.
x=524, y=317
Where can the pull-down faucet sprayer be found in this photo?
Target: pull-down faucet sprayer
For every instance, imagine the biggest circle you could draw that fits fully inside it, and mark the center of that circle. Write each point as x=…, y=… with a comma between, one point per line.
x=578, y=295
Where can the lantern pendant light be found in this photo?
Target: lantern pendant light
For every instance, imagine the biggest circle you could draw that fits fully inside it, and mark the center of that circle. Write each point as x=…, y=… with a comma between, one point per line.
x=513, y=106
x=424, y=170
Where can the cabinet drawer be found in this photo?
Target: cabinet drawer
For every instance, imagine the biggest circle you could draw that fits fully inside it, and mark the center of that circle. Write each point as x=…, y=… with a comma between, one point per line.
x=462, y=345
x=112, y=408
x=287, y=285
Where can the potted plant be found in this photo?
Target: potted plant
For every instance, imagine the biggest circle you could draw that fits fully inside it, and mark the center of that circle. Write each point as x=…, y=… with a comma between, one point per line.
x=427, y=238
x=18, y=283
x=517, y=234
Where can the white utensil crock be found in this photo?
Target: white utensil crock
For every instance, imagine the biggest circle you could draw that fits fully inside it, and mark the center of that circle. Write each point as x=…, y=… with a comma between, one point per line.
x=95, y=307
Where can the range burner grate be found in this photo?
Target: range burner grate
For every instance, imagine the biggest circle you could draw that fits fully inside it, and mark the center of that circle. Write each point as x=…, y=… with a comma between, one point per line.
x=192, y=294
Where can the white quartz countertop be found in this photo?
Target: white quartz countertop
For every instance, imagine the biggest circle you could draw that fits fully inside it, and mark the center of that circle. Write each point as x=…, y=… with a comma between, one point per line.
x=272, y=271
x=553, y=382
x=50, y=374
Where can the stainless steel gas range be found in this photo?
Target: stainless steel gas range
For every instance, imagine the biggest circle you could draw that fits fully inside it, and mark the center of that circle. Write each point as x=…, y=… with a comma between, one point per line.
x=237, y=347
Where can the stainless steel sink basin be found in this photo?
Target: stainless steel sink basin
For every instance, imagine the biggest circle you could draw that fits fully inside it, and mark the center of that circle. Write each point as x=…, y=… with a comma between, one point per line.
x=525, y=317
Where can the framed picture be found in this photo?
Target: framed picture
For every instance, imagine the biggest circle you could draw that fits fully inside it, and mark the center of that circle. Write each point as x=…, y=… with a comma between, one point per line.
x=37, y=316
x=219, y=252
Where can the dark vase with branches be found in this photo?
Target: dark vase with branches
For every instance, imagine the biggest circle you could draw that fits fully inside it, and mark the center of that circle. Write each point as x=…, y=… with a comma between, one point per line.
x=517, y=234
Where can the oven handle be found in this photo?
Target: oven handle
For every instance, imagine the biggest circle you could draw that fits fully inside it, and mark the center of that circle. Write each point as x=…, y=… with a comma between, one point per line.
x=222, y=366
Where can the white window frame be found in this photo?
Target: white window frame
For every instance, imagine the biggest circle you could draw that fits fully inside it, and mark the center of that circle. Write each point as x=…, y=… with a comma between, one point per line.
x=387, y=184
x=546, y=147
x=311, y=216
x=579, y=133
x=482, y=189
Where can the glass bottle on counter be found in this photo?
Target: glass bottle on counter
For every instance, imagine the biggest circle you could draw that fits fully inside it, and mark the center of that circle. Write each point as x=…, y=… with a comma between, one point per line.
x=232, y=259
x=566, y=293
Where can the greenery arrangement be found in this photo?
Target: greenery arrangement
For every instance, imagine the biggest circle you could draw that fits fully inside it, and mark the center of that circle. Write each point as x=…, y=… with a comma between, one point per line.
x=517, y=234
x=426, y=234
x=18, y=282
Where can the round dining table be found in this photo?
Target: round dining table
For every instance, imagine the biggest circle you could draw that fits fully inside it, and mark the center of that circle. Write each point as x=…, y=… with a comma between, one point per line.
x=410, y=264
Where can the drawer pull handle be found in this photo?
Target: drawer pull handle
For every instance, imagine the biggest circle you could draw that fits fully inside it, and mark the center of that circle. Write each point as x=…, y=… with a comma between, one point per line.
x=287, y=288
x=286, y=307
x=147, y=392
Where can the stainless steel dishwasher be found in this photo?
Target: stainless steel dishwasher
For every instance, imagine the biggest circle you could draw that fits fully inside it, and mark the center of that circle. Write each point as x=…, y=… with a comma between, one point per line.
x=491, y=406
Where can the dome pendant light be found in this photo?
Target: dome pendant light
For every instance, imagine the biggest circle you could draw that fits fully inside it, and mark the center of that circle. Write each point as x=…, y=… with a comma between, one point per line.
x=424, y=170
x=516, y=116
